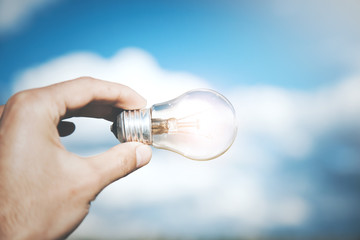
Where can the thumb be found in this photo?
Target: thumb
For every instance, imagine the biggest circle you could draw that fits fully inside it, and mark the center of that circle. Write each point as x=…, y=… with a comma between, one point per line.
x=119, y=161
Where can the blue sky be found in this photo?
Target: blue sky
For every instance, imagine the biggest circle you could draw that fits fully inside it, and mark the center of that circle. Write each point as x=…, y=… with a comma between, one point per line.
x=290, y=68
x=226, y=42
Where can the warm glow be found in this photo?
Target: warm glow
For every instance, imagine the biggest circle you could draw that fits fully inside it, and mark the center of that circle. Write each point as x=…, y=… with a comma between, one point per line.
x=199, y=124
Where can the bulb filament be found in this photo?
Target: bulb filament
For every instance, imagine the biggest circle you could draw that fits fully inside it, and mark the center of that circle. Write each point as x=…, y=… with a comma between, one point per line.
x=173, y=125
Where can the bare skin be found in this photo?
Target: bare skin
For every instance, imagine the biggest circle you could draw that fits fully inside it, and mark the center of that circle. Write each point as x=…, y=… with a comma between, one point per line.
x=46, y=191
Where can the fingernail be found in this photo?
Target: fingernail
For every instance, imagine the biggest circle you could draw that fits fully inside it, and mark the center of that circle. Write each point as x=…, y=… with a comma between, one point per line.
x=143, y=155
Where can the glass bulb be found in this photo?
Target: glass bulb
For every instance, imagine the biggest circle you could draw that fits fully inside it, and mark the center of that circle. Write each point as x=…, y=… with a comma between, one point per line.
x=199, y=124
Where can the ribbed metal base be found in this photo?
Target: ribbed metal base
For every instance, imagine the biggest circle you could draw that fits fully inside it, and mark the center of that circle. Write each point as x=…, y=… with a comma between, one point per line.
x=133, y=126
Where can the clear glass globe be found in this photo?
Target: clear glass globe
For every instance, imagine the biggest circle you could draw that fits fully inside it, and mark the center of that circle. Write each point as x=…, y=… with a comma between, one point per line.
x=199, y=124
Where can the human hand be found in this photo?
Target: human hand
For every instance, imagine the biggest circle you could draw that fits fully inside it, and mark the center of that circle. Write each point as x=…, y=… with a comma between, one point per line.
x=45, y=191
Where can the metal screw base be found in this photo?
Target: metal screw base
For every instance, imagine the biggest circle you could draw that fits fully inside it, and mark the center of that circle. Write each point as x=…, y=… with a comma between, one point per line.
x=133, y=126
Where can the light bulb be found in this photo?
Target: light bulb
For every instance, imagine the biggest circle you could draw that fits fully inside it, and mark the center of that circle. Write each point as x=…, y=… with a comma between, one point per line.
x=199, y=124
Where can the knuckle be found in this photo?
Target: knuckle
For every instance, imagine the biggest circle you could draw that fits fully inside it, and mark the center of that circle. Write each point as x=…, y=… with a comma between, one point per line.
x=87, y=184
x=86, y=79
x=19, y=98
x=93, y=177
x=86, y=82
x=25, y=99
x=26, y=96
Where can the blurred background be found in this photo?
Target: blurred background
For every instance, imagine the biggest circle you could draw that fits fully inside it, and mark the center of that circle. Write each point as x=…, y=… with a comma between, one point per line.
x=291, y=70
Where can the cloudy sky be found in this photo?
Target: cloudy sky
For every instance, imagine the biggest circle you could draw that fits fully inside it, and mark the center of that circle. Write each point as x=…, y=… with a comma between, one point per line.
x=290, y=68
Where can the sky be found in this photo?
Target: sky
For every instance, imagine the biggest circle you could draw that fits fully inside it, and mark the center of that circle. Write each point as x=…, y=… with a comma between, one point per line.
x=291, y=69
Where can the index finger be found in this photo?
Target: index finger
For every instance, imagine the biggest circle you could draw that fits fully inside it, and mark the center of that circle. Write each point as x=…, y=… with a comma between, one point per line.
x=1, y=109
x=76, y=94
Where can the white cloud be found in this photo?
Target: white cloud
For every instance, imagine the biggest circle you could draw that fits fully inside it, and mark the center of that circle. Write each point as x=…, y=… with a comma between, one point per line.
x=331, y=26
x=335, y=13
x=14, y=13
x=293, y=120
x=132, y=67
x=274, y=124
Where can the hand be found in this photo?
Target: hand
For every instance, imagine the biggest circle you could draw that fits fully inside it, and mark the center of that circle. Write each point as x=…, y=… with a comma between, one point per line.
x=45, y=191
